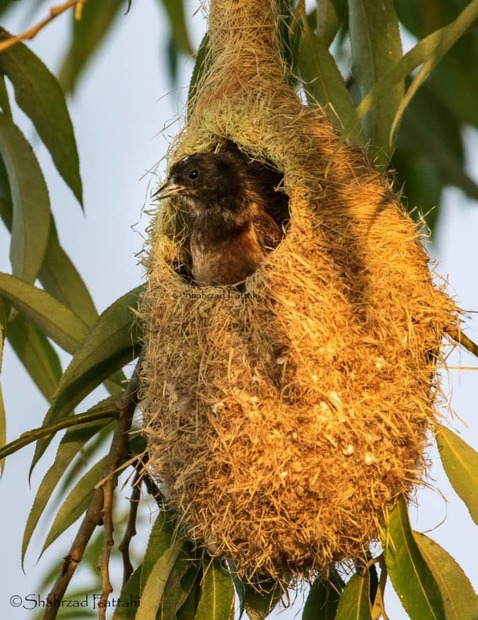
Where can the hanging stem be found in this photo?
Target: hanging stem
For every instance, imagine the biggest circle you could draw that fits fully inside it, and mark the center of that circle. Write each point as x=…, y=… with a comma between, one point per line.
x=34, y=30
x=130, y=530
x=458, y=336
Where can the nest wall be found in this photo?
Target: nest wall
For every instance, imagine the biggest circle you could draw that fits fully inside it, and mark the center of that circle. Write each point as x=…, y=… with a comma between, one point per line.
x=285, y=419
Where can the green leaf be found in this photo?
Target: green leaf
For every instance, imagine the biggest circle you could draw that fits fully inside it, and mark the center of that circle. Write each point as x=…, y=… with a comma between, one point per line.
x=130, y=592
x=58, y=275
x=217, y=594
x=328, y=21
x=4, y=100
x=31, y=204
x=201, y=67
x=112, y=342
x=376, y=48
x=180, y=583
x=61, y=279
x=53, y=318
x=455, y=82
x=412, y=579
x=97, y=442
x=188, y=610
x=430, y=129
x=433, y=46
x=35, y=352
x=89, y=34
x=323, y=600
x=160, y=540
x=69, y=447
x=3, y=418
x=260, y=604
x=355, y=600
x=161, y=555
x=177, y=22
x=459, y=597
x=438, y=45
x=460, y=463
x=323, y=82
x=39, y=95
x=76, y=502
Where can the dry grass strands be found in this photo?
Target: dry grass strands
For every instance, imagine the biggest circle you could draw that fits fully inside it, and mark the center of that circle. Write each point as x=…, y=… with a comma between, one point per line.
x=284, y=420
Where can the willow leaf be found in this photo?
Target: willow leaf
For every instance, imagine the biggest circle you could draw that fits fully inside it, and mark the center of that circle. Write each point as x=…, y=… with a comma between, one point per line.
x=411, y=577
x=130, y=592
x=39, y=95
x=69, y=447
x=53, y=318
x=37, y=355
x=460, y=463
x=323, y=82
x=459, y=597
x=76, y=502
x=180, y=583
x=217, y=594
x=376, y=48
x=31, y=203
x=4, y=100
x=160, y=540
x=323, y=600
x=3, y=419
x=437, y=46
x=177, y=21
x=61, y=279
x=354, y=603
x=111, y=342
x=161, y=555
x=89, y=33
x=432, y=45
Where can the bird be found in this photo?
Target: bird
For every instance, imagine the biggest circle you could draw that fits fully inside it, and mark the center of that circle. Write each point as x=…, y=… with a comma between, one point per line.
x=237, y=213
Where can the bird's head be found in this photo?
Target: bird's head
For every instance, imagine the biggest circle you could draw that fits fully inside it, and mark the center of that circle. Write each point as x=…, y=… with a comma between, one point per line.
x=205, y=181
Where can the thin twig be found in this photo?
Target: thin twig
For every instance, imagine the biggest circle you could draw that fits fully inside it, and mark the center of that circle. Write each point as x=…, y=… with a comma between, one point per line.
x=99, y=509
x=458, y=336
x=126, y=405
x=104, y=567
x=91, y=519
x=34, y=30
x=45, y=431
x=130, y=530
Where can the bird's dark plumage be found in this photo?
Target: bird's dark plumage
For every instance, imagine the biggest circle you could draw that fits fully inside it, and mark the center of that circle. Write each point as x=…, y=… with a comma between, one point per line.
x=236, y=214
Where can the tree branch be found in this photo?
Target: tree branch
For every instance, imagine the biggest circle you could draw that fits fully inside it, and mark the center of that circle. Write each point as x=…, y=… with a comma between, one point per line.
x=100, y=506
x=458, y=336
x=130, y=530
x=45, y=431
x=34, y=30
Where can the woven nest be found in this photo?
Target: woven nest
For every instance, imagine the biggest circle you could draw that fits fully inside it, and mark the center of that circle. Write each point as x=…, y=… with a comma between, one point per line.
x=283, y=420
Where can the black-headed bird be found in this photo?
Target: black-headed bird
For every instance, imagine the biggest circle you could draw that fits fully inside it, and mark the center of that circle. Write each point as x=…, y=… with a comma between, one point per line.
x=237, y=213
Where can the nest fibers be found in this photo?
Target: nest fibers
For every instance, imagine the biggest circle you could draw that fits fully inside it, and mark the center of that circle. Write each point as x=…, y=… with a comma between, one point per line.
x=285, y=419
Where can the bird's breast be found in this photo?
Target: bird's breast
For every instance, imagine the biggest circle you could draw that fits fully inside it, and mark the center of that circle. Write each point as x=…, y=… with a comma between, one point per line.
x=229, y=260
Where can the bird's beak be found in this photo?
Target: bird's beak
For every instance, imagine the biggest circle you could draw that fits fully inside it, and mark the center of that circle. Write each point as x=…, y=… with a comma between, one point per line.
x=170, y=188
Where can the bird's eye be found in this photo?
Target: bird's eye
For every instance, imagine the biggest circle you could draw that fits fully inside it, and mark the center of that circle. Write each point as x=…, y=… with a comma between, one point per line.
x=193, y=174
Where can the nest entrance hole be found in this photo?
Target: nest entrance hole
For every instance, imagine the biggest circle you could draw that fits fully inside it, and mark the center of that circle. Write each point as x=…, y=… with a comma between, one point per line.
x=266, y=180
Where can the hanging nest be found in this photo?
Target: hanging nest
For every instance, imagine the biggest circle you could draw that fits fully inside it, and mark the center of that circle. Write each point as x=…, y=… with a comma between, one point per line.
x=284, y=419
